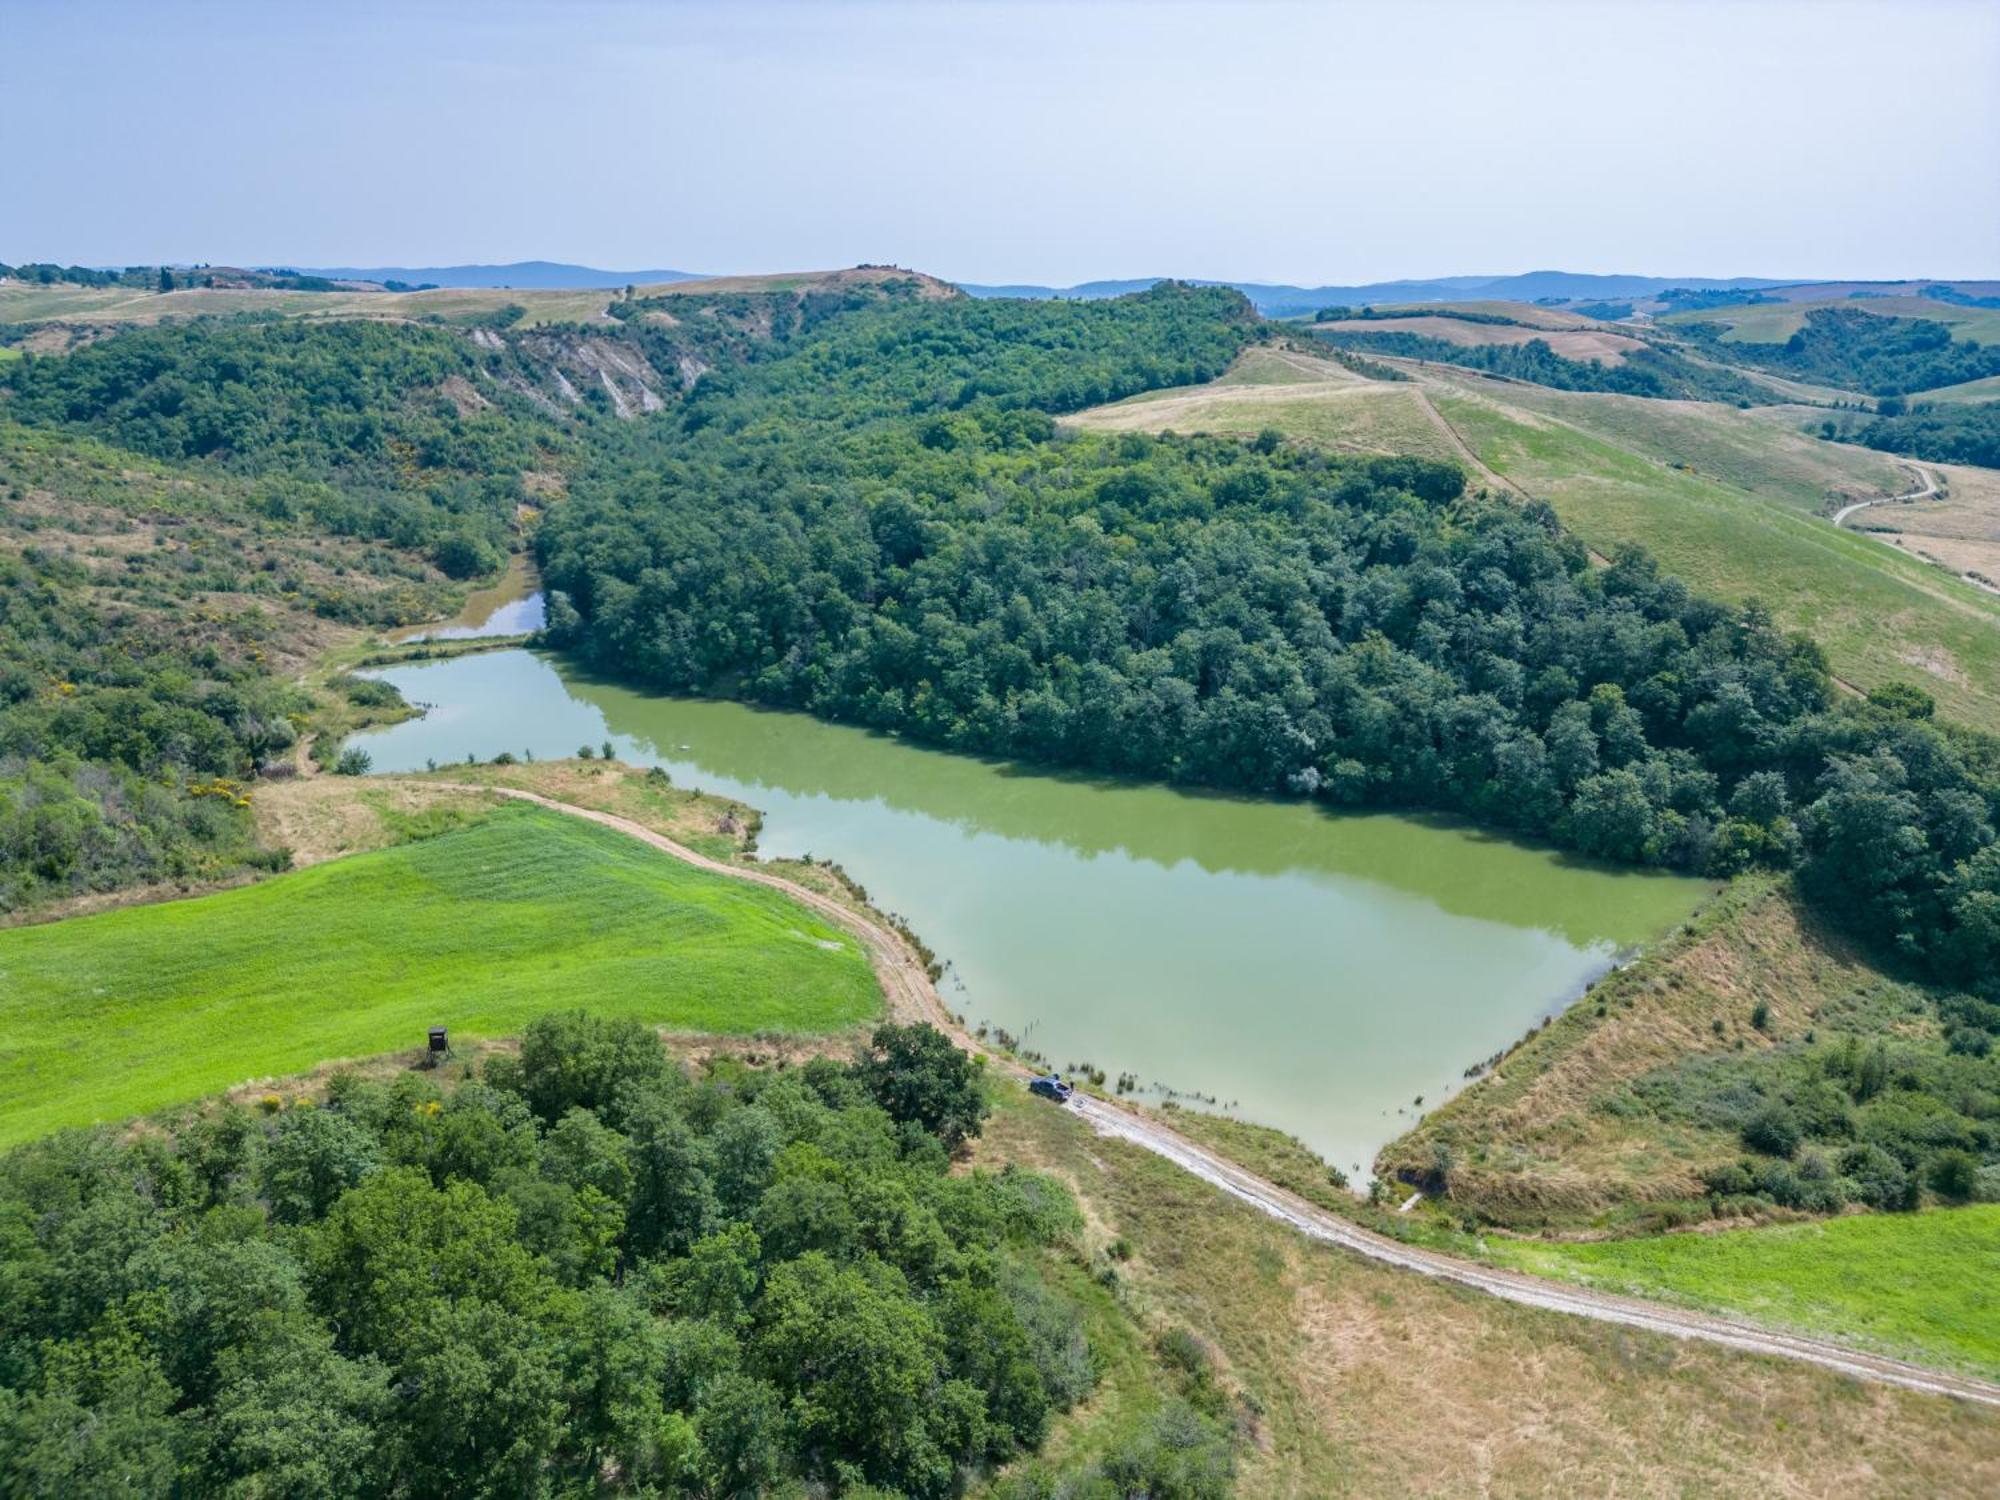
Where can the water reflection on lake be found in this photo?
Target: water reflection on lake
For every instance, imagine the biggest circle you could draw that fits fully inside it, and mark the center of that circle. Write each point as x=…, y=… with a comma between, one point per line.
x=1319, y=971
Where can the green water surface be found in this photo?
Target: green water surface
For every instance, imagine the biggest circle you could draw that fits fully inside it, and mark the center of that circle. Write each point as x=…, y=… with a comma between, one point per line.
x=1312, y=971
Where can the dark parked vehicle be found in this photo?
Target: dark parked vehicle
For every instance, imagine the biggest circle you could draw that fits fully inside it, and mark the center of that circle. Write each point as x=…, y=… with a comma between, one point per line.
x=1051, y=1087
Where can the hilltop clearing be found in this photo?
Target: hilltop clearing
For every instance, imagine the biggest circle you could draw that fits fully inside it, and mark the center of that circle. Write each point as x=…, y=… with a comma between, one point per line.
x=24, y=304
x=1775, y=323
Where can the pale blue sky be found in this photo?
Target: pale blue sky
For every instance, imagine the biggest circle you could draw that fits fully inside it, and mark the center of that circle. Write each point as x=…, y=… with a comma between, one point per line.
x=1011, y=142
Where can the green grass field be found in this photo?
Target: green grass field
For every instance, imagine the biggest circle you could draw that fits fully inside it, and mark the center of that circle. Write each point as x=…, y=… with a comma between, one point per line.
x=1880, y=615
x=109, y=1016
x=1925, y=1285
x=1773, y=323
x=1970, y=390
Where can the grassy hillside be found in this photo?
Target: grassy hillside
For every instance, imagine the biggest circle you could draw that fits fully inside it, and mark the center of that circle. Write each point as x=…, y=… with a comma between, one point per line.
x=1355, y=1379
x=1315, y=400
x=1969, y=390
x=1924, y=1286
x=1647, y=1104
x=1732, y=501
x=480, y=929
x=1773, y=323
x=1879, y=615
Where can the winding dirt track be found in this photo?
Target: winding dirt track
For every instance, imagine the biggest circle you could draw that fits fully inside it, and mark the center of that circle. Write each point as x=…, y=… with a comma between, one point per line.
x=912, y=996
x=1927, y=487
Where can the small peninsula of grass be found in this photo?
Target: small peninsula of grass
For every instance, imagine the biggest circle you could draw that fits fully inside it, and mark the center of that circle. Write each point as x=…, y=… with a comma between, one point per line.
x=479, y=929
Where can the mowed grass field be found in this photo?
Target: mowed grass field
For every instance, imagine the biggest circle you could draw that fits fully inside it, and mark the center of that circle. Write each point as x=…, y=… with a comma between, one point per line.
x=481, y=929
x=1925, y=1285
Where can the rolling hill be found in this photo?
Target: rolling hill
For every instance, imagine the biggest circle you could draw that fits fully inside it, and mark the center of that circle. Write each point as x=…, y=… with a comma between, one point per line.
x=541, y=274
x=1270, y=297
x=1733, y=501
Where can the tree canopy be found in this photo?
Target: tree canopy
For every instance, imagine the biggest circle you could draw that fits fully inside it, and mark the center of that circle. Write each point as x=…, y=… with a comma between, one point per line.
x=586, y=1272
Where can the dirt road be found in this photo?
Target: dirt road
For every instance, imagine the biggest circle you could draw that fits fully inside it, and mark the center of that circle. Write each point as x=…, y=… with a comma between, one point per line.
x=1925, y=489
x=912, y=996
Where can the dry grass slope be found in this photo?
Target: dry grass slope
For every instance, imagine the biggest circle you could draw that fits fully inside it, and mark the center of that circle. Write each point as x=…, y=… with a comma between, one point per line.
x=1534, y=1141
x=1368, y=1382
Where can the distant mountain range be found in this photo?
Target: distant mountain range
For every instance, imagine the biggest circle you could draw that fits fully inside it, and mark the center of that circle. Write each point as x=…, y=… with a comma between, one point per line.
x=527, y=274
x=1268, y=298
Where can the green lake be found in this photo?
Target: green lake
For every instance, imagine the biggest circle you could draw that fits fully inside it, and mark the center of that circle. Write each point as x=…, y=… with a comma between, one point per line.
x=1311, y=971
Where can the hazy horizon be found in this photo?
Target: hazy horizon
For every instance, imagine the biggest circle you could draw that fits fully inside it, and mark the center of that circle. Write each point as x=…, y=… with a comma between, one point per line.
x=1012, y=141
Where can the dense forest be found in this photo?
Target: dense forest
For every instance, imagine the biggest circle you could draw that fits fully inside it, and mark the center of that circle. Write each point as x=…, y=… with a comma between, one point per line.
x=1656, y=373
x=583, y=1272
x=858, y=530
x=1951, y=433
x=1859, y=351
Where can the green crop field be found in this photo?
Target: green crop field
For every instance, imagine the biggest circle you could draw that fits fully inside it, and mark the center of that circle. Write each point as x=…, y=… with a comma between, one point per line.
x=109, y=1016
x=1925, y=1285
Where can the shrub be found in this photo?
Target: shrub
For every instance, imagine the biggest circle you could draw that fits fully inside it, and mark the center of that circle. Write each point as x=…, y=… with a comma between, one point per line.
x=1773, y=1130
x=1953, y=1174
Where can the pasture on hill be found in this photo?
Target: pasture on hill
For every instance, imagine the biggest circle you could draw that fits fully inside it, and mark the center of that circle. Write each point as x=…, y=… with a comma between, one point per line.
x=1733, y=501
x=480, y=929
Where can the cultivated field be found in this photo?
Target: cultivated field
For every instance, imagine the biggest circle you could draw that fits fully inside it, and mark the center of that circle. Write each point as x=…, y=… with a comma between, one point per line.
x=23, y=303
x=1530, y=313
x=479, y=928
x=1959, y=531
x=1586, y=342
